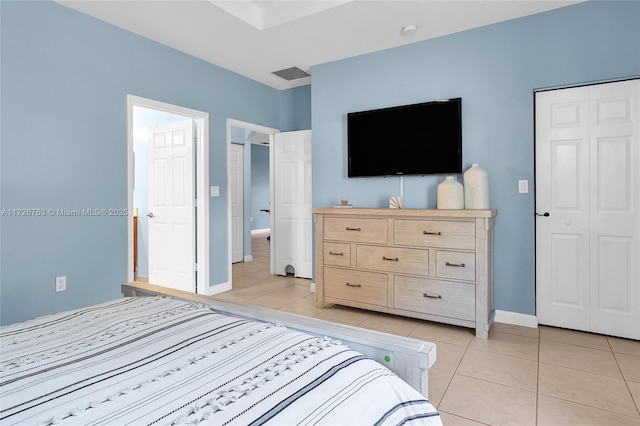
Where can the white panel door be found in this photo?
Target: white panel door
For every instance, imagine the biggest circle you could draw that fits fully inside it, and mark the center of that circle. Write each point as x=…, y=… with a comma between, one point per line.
x=292, y=219
x=172, y=206
x=562, y=238
x=236, y=168
x=587, y=249
x=615, y=208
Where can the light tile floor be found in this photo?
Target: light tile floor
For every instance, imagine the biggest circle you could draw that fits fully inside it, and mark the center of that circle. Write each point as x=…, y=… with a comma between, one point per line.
x=519, y=376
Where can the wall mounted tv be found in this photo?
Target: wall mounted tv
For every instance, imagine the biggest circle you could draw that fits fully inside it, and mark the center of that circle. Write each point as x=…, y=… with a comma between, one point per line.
x=417, y=139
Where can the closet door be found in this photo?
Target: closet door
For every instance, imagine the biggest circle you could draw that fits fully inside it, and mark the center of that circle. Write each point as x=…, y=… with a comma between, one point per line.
x=587, y=179
x=562, y=191
x=615, y=208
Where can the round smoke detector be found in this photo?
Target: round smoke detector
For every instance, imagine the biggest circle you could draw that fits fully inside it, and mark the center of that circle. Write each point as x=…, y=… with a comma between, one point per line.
x=408, y=30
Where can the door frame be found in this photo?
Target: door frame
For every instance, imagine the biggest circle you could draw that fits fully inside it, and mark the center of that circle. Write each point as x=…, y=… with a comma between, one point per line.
x=260, y=129
x=201, y=180
x=241, y=182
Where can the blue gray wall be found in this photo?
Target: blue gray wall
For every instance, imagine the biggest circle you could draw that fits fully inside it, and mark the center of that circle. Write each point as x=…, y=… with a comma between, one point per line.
x=64, y=80
x=495, y=69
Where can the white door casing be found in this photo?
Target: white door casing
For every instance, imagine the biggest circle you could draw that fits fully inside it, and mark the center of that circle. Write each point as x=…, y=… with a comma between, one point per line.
x=587, y=179
x=260, y=129
x=201, y=119
x=236, y=170
x=172, y=206
x=291, y=211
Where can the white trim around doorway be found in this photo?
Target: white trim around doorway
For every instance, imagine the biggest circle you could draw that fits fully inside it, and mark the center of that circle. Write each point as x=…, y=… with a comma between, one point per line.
x=202, y=184
x=260, y=129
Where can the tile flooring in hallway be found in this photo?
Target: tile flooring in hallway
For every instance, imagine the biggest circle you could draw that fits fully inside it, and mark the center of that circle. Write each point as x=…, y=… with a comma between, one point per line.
x=519, y=376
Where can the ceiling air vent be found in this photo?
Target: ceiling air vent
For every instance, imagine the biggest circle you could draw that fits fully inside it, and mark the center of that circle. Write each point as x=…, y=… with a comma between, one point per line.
x=293, y=73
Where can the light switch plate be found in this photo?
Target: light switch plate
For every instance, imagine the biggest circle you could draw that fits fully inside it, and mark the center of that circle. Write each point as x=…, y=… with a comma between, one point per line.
x=215, y=191
x=523, y=186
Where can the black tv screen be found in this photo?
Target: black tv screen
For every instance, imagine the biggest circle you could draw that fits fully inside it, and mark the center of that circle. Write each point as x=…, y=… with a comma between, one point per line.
x=418, y=139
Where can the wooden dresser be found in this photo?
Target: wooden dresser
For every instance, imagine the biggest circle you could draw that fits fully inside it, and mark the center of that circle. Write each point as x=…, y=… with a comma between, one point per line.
x=435, y=265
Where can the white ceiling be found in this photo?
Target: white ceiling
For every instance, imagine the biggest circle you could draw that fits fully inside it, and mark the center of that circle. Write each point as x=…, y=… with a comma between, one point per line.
x=256, y=38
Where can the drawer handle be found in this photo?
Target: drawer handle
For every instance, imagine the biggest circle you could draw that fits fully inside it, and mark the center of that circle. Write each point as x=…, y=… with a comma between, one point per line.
x=393, y=259
x=432, y=296
x=457, y=265
x=353, y=229
x=354, y=285
x=336, y=253
x=431, y=233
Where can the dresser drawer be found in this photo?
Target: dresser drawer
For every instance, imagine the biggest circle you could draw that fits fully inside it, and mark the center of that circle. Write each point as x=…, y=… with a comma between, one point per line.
x=393, y=259
x=337, y=254
x=364, y=287
x=359, y=230
x=456, y=265
x=435, y=233
x=449, y=299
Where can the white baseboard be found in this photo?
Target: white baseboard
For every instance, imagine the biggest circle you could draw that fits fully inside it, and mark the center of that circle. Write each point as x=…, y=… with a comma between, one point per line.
x=248, y=258
x=515, y=318
x=312, y=287
x=260, y=231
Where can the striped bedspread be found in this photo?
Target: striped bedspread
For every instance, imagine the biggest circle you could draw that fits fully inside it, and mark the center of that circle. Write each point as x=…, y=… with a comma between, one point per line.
x=163, y=361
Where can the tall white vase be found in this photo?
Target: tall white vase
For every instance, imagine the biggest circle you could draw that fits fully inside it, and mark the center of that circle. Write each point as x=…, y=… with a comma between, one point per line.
x=450, y=194
x=476, y=188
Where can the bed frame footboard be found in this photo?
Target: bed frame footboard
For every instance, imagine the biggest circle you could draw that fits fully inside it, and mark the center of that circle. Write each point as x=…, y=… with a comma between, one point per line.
x=408, y=358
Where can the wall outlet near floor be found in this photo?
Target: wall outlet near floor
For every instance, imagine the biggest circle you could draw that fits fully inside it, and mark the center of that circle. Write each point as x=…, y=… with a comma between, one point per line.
x=61, y=283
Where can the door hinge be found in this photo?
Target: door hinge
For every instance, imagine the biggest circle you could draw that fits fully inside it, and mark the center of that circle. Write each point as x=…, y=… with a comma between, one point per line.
x=195, y=267
x=195, y=202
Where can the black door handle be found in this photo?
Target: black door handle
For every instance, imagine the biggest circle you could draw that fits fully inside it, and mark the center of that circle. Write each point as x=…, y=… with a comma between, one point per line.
x=545, y=214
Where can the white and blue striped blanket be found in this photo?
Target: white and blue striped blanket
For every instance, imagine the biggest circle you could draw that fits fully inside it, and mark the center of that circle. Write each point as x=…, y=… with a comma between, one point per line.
x=165, y=361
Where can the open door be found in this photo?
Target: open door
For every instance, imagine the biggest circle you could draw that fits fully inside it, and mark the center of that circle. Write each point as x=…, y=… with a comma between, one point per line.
x=171, y=206
x=291, y=207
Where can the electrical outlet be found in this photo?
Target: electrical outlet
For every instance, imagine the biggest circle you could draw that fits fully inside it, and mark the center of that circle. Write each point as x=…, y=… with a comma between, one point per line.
x=61, y=283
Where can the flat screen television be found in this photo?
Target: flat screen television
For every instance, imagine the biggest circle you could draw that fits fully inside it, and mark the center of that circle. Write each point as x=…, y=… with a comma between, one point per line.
x=417, y=139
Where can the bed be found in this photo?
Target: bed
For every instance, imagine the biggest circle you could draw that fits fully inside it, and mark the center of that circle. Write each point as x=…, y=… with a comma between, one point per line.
x=163, y=360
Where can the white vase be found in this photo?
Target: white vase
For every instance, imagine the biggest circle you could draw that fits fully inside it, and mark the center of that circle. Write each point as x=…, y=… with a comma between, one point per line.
x=450, y=194
x=476, y=188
